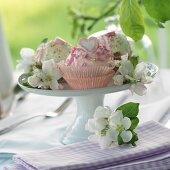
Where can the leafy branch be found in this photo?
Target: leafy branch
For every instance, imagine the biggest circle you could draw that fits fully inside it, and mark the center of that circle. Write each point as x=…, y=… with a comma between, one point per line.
x=130, y=13
x=105, y=14
x=80, y=20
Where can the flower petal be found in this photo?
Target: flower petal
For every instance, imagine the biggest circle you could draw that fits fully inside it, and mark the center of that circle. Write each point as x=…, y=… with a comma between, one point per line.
x=126, y=67
x=124, y=57
x=48, y=67
x=27, y=53
x=118, y=80
x=33, y=81
x=93, y=138
x=54, y=85
x=126, y=135
x=102, y=112
x=100, y=124
x=126, y=122
x=44, y=85
x=113, y=133
x=140, y=70
x=139, y=89
x=146, y=79
x=90, y=125
x=105, y=141
x=116, y=118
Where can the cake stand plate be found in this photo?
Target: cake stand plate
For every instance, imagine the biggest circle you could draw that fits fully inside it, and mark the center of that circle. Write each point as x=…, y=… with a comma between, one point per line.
x=87, y=101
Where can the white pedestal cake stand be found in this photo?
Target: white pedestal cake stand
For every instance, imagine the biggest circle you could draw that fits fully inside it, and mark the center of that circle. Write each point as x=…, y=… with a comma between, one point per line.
x=87, y=101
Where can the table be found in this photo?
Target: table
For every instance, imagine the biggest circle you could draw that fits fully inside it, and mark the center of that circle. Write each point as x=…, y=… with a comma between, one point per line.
x=39, y=133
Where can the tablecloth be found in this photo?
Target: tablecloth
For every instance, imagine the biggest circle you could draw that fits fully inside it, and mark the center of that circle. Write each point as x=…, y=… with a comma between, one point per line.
x=41, y=133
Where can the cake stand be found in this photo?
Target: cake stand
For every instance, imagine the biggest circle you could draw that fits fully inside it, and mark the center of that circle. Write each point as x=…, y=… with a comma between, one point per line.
x=87, y=101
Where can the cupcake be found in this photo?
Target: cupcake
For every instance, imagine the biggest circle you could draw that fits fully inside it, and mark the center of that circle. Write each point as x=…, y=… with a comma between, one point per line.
x=56, y=49
x=86, y=67
x=115, y=42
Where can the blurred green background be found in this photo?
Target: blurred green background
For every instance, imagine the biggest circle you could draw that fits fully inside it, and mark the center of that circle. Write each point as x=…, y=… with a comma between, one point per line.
x=27, y=22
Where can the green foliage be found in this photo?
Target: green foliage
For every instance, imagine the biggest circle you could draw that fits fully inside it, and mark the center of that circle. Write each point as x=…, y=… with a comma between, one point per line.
x=130, y=11
x=134, y=60
x=130, y=109
x=134, y=138
x=120, y=140
x=134, y=124
x=158, y=9
x=131, y=19
x=44, y=40
x=25, y=27
x=39, y=66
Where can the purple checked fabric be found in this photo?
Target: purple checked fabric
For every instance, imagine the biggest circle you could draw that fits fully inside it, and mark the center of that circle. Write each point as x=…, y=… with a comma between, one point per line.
x=152, y=152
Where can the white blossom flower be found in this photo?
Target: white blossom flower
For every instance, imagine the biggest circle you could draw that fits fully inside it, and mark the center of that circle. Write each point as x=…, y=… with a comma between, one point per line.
x=138, y=88
x=126, y=68
x=96, y=125
x=118, y=80
x=117, y=63
x=47, y=77
x=107, y=126
x=99, y=122
x=141, y=73
x=124, y=57
x=139, y=76
x=120, y=125
x=102, y=112
x=34, y=81
x=104, y=141
x=90, y=125
x=27, y=61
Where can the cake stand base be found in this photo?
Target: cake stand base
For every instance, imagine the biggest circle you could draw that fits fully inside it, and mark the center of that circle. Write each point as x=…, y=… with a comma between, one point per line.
x=86, y=106
x=87, y=101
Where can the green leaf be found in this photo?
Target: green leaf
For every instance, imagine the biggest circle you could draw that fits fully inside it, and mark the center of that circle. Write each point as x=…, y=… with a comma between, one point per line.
x=134, y=138
x=27, y=85
x=132, y=141
x=134, y=122
x=75, y=26
x=39, y=66
x=44, y=40
x=131, y=19
x=120, y=140
x=130, y=109
x=160, y=25
x=134, y=60
x=158, y=9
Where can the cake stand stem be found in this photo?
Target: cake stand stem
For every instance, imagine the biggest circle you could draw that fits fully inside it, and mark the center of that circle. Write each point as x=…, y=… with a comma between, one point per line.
x=86, y=106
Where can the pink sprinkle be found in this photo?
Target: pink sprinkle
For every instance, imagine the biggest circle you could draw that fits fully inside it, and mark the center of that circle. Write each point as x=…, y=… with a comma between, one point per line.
x=111, y=34
x=59, y=41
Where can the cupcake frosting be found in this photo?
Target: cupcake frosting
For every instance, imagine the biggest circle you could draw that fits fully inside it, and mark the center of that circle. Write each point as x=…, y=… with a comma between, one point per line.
x=116, y=43
x=76, y=53
x=40, y=52
x=80, y=57
x=119, y=45
x=56, y=49
x=96, y=51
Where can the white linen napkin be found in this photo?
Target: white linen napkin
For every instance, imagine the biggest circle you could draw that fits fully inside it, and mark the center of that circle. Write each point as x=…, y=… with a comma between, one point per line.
x=152, y=151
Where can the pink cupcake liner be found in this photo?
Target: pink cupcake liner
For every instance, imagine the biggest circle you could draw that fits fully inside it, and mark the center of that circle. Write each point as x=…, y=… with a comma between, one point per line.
x=81, y=72
x=89, y=82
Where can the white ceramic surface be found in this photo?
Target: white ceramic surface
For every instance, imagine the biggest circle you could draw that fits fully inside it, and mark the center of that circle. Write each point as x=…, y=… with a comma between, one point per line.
x=73, y=93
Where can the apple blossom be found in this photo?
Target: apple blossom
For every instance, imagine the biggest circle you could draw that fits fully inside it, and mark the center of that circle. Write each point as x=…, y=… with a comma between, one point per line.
x=120, y=125
x=27, y=61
